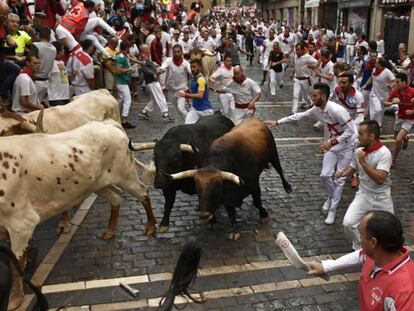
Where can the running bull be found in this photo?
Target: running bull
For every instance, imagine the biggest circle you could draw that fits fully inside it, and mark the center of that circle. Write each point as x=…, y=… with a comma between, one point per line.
x=93, y=106
x=232, y=170
x=61, y=170
x=183, y=147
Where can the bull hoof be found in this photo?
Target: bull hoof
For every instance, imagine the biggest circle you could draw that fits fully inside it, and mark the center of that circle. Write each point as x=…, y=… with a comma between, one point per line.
x=264, y=220
x=163, y=229
x=107, y=235
x=64, y=227
x=234, y=236
x=16, y=300
x=150, y=229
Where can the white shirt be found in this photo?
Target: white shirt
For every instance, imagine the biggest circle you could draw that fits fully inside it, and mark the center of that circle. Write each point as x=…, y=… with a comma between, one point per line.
x=301, y=65
x=208, y=44
x=149, y=39
x=24, y=86
x=59, y=88
x=338, y=122
x=268, y=45
x=243, y=93
x=381, y=46
x=351, y=38
x=353, y=102
x=187, y=46
x=222, y=76
x=363, y=43
x=177, y=76
x=84, y=71
x=327, y=70
x=380, y=84
x=286, y=44
x=380, y=159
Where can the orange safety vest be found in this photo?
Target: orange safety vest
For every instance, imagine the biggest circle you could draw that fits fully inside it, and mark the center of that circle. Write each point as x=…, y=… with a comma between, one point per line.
x=76, y=20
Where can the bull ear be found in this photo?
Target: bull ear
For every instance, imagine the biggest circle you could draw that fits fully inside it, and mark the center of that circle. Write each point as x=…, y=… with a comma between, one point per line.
x=232, y=177
x=188, y=148
x=182, y=175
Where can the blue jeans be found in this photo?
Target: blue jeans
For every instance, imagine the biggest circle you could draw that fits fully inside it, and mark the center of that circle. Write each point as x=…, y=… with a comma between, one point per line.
x=9, y=72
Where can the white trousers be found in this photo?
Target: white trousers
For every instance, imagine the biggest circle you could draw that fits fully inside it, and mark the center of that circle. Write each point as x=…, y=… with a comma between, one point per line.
x=180, y=103
x=338, y=158
x=367, y=95
x=227, y=104
x=89, y=33
x=364, y=202
x=376, y=109
x=275, y=81
x=240, y=115
x=156, y=97
x=194, y=115
x=124, y=97
x=42, y=88
x=63, y=34
x=349, y=53
x=301, y=86
x=261, y=56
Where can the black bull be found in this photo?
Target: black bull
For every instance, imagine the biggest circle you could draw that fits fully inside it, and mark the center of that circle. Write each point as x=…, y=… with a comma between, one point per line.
x=184, y=147
x=232, y=170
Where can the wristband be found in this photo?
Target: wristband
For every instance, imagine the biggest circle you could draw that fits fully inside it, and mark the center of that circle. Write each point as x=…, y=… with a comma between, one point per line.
x=334, y=142
x=187, y=95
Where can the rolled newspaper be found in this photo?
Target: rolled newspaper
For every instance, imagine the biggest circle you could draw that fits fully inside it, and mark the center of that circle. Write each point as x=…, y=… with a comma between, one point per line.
x=292, y=255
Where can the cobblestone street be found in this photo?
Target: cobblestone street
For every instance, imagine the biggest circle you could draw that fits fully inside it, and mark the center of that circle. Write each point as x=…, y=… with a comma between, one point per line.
x=248, y=274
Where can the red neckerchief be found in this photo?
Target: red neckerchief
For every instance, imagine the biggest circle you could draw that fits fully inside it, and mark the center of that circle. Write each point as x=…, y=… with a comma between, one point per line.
x=27, y=70
x=277, y=50
x=324, y=63
x=369, y=66
x=286, y=36
x=360, y=41
x=374, y=147
x=241, y=80
x=178, y=62
x=377, y=71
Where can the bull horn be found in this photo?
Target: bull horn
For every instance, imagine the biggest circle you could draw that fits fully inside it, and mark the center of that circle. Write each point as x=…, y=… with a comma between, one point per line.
x=39, y=122
x=182, y=175
x=188, y=148
x=143, y=146
x=232, y=177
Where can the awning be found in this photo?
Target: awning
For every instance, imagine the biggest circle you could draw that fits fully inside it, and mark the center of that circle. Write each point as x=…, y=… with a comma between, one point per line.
x=354, y=3
x=312, y=3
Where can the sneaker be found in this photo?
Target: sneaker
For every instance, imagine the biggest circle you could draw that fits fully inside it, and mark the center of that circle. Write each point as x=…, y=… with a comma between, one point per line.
x=144, y=115
x=317, y=124
x=127, y=125
x=331, y=217
x=166, y=117
x=327, y=205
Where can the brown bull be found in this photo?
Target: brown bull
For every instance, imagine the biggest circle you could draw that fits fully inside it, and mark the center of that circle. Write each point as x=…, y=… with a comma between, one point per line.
x=233, y=167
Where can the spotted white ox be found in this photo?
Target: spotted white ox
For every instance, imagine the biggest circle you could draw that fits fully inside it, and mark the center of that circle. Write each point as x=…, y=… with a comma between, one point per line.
x=97, y=105
x=43, y=175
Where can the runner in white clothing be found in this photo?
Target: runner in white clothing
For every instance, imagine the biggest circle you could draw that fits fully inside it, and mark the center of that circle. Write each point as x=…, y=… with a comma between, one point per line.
x=381, y=80
x=373, y=163
x=246, y=93
x=302, y=76
x=219, y=79
x=267, y=47
x=341, y=134
x=178, y=71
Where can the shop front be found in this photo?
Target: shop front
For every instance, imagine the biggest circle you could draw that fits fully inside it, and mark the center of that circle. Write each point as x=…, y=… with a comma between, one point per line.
x=397, y=16
x=355, y=14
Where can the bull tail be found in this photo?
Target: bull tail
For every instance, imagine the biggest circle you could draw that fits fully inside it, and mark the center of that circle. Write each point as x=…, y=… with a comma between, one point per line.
x=41, y=304
x=148, y=171
x=185, y=272
x=274, y=159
